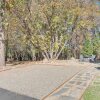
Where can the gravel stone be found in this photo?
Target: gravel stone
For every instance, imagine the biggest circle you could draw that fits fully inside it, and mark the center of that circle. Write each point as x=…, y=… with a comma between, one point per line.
x=36, y=81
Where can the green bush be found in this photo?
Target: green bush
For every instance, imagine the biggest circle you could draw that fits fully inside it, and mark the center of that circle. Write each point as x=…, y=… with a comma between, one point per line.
x=87, y=48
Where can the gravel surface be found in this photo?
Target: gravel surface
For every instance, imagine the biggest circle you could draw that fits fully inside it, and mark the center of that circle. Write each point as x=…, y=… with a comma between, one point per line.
x=36, y=81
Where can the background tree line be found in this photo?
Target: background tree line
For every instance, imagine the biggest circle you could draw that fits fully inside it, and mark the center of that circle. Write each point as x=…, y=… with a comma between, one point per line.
x=50, y=29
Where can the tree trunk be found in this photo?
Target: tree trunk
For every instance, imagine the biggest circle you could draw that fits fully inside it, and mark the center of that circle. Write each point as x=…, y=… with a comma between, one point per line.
x=2, y=51
x=6, y=49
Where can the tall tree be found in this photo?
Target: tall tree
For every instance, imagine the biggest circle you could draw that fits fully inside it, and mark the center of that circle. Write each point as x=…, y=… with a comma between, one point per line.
x=2, y=45
x=51, y=27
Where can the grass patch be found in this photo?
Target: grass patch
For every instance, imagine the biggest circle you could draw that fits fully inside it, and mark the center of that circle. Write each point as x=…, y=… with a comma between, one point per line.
x=93, y=92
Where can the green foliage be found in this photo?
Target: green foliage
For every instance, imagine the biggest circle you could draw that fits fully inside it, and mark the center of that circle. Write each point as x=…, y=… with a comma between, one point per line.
x=49, y=26
x=87, y=48
x=96, y=45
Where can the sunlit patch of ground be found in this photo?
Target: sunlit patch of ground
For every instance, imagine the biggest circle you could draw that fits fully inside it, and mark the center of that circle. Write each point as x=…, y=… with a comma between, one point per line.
x=72, y=62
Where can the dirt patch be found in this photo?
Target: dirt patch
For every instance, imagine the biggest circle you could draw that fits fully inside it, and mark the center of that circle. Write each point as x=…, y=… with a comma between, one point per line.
x=72, y=62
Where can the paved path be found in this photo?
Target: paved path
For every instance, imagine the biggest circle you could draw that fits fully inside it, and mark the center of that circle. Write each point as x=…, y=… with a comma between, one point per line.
x=35, y=81
x=74, y=88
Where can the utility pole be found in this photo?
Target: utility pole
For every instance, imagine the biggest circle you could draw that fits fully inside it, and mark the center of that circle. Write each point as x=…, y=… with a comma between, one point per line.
x=2, y=44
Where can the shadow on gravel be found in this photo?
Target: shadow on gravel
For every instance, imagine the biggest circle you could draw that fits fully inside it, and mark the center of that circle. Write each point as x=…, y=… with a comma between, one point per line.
x=8, y=95
x=98, y=68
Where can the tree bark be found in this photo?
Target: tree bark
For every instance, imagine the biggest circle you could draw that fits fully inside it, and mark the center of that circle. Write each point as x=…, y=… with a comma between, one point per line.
x=2, y=45
x=2, y=48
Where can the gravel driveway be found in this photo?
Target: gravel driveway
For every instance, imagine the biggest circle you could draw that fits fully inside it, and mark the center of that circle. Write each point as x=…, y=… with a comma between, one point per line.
x=36, y=81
